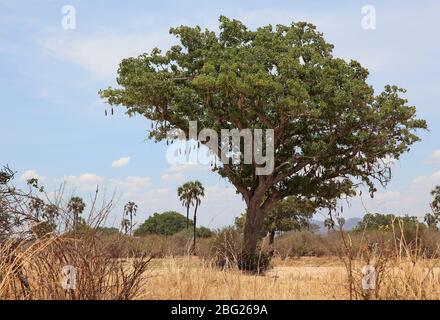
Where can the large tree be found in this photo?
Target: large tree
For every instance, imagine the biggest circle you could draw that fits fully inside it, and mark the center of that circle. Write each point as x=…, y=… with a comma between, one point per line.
x=331, y=132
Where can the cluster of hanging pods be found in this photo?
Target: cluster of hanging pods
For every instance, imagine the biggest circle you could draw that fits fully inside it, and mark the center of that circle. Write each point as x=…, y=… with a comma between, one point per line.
x=105, y=112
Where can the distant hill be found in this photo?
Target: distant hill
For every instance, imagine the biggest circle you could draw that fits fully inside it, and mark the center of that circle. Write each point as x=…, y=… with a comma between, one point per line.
x=350, y=224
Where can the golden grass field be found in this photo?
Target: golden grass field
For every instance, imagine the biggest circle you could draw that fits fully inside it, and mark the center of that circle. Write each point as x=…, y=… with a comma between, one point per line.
x=32, y=270
x=295, y=279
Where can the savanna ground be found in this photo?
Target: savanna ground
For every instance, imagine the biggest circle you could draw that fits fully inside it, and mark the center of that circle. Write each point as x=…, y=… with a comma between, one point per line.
x=191, y=278
x=115, y=267
x=291, y=279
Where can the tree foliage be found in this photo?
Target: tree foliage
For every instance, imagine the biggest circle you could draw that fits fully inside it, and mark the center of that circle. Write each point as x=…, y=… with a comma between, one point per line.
x=289, y=214
x=386, y=222
x=433, y=218
x=76, y=207
x=166, y=223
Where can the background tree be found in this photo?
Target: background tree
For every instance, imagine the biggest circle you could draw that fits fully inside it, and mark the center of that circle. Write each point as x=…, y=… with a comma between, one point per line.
x=433, y=218
x=51, y=212
x=76, y=207
x=36, y=207
x=47, y=224
x=197, y=193
x=385, y=222
x=130, y=210
x=108, y=230
x=289, y=214
x=330, y=129
x=185, y=197
x=166, y=223
x=329, y=223
x=203, y=232
x=126, y=226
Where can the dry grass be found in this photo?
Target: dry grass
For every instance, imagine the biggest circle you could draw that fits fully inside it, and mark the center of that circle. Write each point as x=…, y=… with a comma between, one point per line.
x=188, y=277
x=191, y=278
x=296, y=279
x=31, y=269
x=34, y=269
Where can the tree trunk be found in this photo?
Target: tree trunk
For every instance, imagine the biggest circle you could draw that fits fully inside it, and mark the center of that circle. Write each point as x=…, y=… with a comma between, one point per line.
x=75, y=222
x=271, y=237
x=252, y=232
x=195, y=228
x=187, y=217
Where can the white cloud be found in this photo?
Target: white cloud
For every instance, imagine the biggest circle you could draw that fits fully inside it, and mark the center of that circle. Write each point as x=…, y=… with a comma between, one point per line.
x=85, y=181
x=121, y=162
x=388, y=196
x=169, y=178
x=186, y=167
x=30, y=174
x=89, y=178
x=372, y=48
x=434, y=158
x=101, y=53
x=432, y=179
x=131, y=183
x=177, y=172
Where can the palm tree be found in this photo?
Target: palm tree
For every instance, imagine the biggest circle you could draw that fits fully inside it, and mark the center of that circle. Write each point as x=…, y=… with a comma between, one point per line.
x=185, y=196
x=76, y=206
x=36, y=206
x=130, y=210
x=197, y=193
x=125, y=223
x=51, y=212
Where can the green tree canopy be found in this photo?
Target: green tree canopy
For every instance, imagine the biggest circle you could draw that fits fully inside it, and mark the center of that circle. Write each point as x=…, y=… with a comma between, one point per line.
x=108, y=231
x=166, y=223
x=432, y=218
x=385, y=222
x=331, y=131
x=289, y=214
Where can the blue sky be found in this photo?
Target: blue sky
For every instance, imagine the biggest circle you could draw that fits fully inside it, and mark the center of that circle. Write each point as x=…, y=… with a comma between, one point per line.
x=53, y=124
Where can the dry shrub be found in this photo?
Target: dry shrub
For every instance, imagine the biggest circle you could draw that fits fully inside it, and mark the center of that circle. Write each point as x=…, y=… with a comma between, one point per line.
x=122, y=246
x=405, y=266
x=33, y=269
x=301, y=243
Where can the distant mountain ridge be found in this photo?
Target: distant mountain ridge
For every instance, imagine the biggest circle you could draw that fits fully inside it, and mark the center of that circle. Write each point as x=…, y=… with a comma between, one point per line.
x=350, y=224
